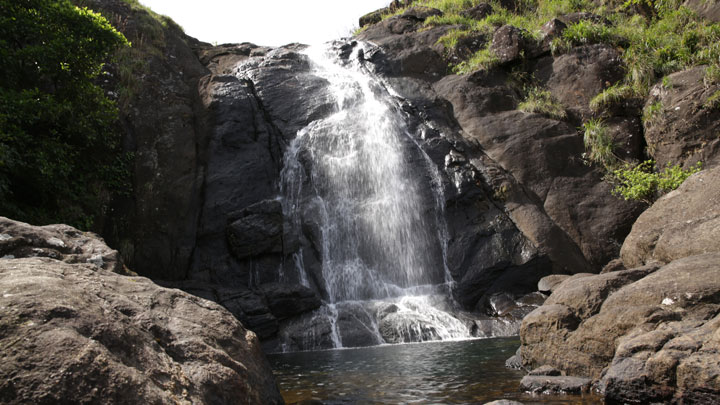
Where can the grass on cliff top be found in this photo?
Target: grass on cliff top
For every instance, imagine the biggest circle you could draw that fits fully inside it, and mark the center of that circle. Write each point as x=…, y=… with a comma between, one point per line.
x=656, y=37
x=146, y=30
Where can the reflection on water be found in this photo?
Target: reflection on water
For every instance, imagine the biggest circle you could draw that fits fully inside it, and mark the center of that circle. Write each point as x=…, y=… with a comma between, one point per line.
x=465, y=372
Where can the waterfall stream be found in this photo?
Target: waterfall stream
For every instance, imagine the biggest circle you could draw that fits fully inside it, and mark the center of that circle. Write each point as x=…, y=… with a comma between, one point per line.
x=357, y=182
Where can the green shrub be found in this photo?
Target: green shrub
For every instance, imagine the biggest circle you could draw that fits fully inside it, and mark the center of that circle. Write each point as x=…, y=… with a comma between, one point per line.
x=59, y=150
x=598, y=144
x=651, y=113
x=587, y=32
x=611, y=96
x=639, y=182
x=542, y=102
x=712, y=75
x=713, y=101
x=483, y=59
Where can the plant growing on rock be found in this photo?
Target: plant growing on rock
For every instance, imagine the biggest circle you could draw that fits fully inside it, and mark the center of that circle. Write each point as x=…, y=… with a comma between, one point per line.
x=599, y=144
x=611, y=96
x=542, y=102
x=651, y=113
x=640, y=182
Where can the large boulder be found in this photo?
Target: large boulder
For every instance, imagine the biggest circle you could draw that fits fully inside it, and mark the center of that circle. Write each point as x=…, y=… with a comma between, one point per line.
x=647, y=331
x=683, y=128
x=570, y=196
x=118, y=339
x=682, y=223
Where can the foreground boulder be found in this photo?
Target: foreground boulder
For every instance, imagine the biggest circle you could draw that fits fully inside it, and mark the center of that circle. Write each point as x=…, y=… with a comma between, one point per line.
x=650, y=333
x=76, y=332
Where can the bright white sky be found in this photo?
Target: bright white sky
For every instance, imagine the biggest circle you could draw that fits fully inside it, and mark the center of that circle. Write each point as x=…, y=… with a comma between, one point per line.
x=266, y=22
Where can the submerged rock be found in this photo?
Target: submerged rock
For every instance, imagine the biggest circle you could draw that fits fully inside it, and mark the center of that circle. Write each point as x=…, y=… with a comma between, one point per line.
x=543, y=384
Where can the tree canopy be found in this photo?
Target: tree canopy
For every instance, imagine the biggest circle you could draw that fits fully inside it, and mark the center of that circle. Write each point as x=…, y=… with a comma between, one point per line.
x=59, y=151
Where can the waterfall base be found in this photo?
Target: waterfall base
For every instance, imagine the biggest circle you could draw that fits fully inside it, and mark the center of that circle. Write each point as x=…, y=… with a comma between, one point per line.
x=405, y=319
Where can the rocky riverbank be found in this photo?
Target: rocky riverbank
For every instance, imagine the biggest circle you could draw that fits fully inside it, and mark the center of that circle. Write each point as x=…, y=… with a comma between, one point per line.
x=650, y=333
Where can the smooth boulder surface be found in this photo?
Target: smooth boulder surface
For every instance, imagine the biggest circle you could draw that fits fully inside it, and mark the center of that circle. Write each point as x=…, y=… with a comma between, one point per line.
x=117, y=339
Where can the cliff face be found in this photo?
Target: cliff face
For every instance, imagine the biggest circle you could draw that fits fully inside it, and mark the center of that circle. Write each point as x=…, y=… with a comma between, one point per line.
x=210, y=124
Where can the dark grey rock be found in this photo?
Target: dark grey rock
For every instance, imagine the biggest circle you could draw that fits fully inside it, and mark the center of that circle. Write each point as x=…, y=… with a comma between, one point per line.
x=286, y=300
x=508, y=43
x=684, y=131
x=256, y=230
x=478, y=12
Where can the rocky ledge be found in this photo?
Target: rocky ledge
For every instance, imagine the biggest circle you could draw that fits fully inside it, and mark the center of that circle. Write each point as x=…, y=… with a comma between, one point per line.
x=650, y=333
x=71, y=330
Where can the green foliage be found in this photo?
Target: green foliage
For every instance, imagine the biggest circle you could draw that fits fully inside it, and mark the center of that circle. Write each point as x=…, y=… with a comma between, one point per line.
x=598, y=144
x=712, y=75
x=639, y=182
x=655, y=37
x=542, y=102
x=667, y=82
x=449, y=19
x=673, y=176
x=483, y=59
x=635, y=182
x=611, y=96
x=58, y=148
x=587, y=32
x=713, y=101
x=651, y=113
x=450, y=40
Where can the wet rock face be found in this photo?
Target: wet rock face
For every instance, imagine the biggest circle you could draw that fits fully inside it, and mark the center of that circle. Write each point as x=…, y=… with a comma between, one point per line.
x=116, y=338
x=256, y=230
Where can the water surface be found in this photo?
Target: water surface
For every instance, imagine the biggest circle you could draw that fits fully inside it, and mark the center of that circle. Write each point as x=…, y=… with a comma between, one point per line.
x=459, y=372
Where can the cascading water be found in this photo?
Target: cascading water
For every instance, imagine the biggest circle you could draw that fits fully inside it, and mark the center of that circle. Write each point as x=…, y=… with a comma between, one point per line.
x=349, y=176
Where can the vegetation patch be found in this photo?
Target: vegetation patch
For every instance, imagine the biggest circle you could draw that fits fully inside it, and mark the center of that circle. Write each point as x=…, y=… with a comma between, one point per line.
x=642, y=183
x=540, y=101
x=60, y=154
x=599, y=146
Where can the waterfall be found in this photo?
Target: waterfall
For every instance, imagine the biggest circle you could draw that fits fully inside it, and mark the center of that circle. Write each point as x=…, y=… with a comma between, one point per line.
x=359, y=179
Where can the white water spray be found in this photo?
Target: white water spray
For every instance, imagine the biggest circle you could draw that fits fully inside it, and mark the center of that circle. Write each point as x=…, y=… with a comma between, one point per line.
x=381, y=227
